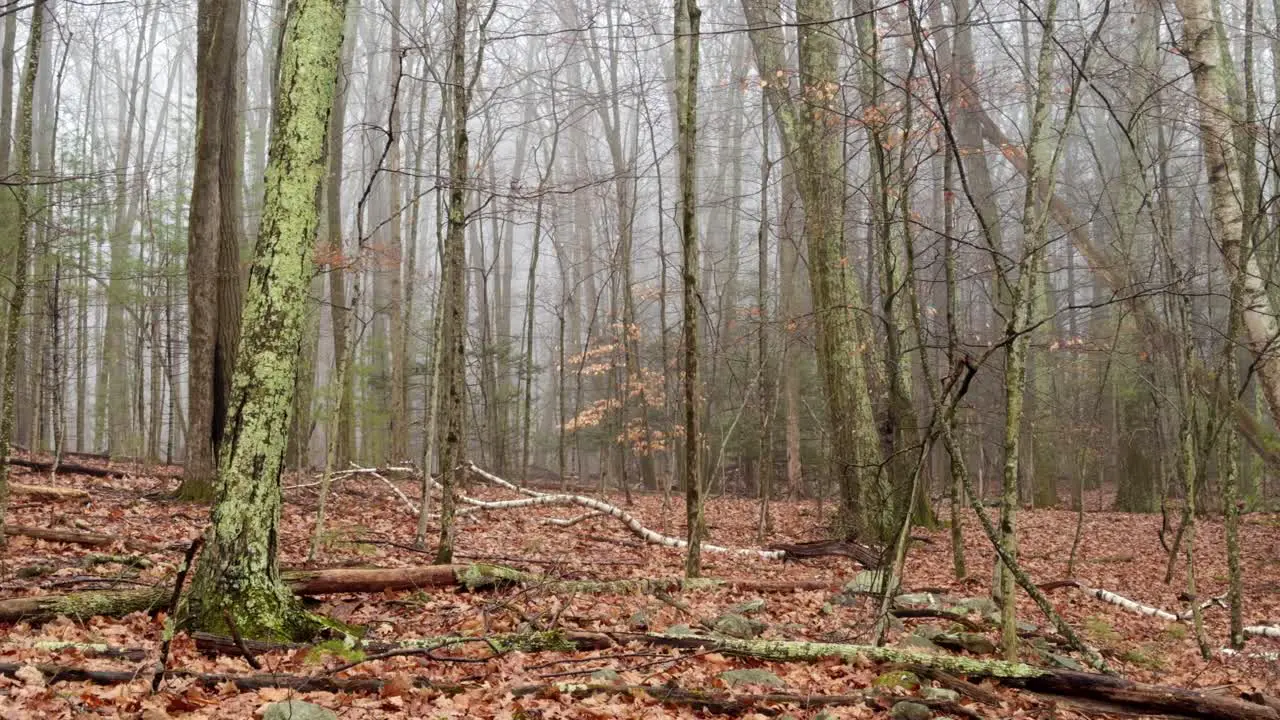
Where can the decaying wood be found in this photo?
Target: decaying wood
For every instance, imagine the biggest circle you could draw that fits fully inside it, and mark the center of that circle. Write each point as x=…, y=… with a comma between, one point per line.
x=955, y=617
x=48, y=492
x=1153, y=699
x=67, y=468
x=867, y=557
x=320, y=683
x=365, y=580
x=87, y=539
x=1140, y=696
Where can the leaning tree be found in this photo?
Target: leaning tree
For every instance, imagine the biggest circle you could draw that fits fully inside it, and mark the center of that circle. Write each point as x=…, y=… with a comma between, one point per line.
x=237, y=581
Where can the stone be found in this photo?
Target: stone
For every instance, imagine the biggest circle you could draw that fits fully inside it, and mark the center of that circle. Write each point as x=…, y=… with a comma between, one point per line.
x=679, y=630
x=1064, y=661
x=929, y=631
x=973, y=642
x=915, y=642
x=907, y=710
x=912, y=600
x=751, y=676
x=605, y=676
x=297, y=710
x=865, y=581
x=639, y=620
x=749, y=607
x=904, y=679
x=738, y=626
x=979, y=605
x=936, y=693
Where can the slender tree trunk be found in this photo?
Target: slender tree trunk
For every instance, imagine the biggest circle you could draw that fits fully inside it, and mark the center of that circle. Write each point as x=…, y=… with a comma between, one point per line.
x=453, y=299
x=687, y=21
x=26, y=211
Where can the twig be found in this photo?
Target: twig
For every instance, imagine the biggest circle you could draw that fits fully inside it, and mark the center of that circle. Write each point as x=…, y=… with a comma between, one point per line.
x=239, y=641
x=173, y=608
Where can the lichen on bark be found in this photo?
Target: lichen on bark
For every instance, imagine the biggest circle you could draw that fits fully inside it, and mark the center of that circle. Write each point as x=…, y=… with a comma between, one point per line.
x=237, y=584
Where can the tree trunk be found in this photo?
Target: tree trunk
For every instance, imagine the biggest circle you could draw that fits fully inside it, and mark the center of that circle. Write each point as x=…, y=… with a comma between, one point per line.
x=22, y=197
x=213, y=247
x=687, y=20
x=453, y=299
x=237, y=581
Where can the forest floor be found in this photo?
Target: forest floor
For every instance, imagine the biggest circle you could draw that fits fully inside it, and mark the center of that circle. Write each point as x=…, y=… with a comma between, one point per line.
x=1118, y=552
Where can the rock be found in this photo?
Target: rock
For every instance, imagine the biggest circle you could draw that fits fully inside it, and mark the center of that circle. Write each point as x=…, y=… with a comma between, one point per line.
x=907, y=710
x=923, y=600
x=980, y=605
x=605, y=676
x=915, y=642
x=973, y=642
x=749, y=607
x=1064, y=661
x=935, y=693
x=904, y=679
x=738, y=626
x=751, y=676
x=1026, y=627
x=297, y=710
x=929, y=631
x=679, y=630
x=639, y=620
x=865, y=581
x=976, y=643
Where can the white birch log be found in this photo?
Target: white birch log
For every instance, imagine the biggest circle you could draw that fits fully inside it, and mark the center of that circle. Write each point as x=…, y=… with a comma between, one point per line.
x=1270, y=631
x=632, y=524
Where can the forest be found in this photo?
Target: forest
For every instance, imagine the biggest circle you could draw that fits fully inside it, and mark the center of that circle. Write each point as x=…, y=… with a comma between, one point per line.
x=915, y=359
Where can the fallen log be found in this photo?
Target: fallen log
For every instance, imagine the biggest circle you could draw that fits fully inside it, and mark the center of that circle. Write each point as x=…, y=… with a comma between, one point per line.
x=867, y=557
x=67, y=468
x=87, y=539
x=1144, y=697
x=1141, y=697
x=48, y=492
x=302, y=683
x=365, y=580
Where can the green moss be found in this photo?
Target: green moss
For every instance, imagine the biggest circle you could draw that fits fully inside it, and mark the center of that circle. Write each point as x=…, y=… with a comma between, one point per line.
x=1101, y=630
x=333, y=648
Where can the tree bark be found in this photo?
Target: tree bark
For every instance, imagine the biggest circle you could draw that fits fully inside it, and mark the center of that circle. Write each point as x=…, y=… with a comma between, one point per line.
x=237, y=576
x=22, y=197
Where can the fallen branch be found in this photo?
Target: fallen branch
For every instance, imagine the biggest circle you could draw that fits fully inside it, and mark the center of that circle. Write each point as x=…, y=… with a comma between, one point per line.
x=570, y=522
x=48, y=492
x=67, y=468
x=1270, y=631
x=1132, y=606
x=58, y=673
x=867, y=557
x=632, y=524
x=87, y=539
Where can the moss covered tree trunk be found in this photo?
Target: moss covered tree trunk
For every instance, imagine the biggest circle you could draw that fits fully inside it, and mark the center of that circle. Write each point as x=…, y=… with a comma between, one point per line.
x=237, y=578
x=21, y=190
